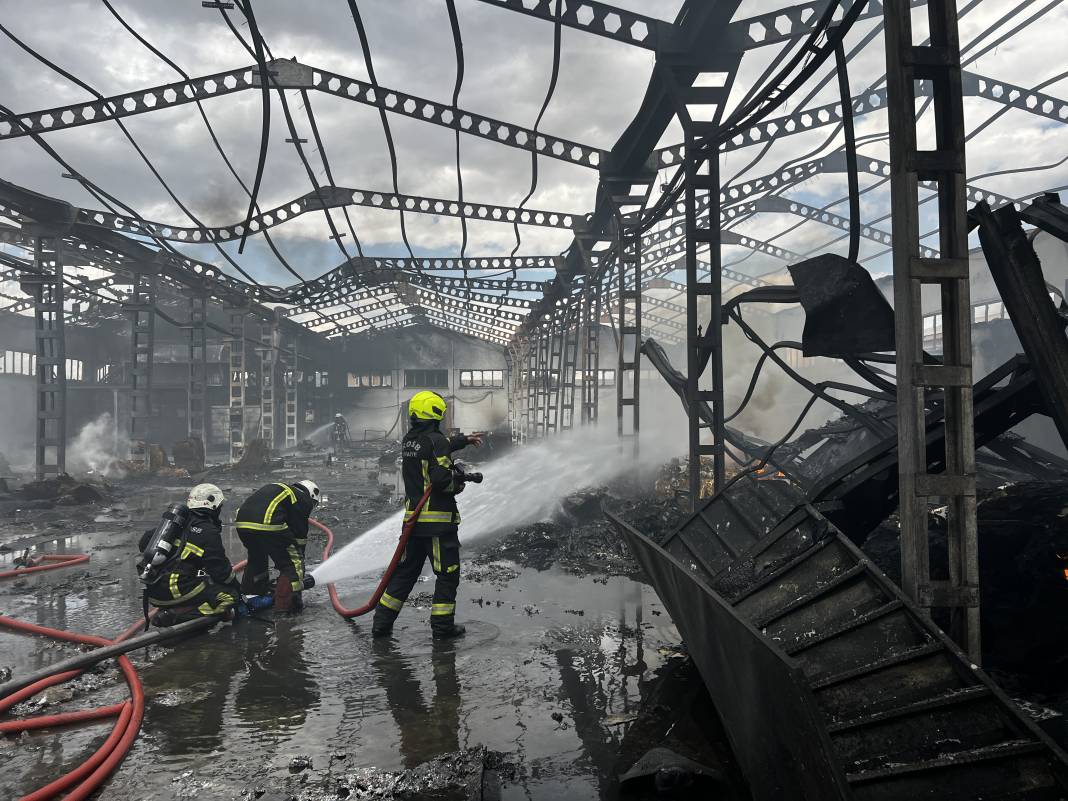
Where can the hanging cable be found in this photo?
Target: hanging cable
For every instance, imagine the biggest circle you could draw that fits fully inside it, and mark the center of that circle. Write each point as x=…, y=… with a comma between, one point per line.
x=265, y=114
x=211, y=132
x=458, y=46
x=550, y=91
x=850, y=152
x=370, y=67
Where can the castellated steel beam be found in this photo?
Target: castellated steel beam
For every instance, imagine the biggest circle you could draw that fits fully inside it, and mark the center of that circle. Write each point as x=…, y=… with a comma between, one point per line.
x=332, y=197
x=600, y=19
x=294, y=75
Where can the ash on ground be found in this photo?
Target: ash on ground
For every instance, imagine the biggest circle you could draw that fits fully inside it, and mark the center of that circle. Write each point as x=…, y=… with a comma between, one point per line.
x=580, y=539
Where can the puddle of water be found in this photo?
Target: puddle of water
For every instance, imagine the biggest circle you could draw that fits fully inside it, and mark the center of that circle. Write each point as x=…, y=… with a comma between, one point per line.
x=233, y=707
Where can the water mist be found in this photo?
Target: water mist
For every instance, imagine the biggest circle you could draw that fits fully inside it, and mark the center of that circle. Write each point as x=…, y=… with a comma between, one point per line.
x=522, y=487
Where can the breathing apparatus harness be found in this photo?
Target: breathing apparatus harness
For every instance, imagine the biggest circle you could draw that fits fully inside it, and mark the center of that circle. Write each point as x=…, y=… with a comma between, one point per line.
x=163, y=549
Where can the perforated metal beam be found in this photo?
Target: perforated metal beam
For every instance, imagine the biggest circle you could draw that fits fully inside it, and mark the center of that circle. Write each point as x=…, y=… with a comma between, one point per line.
x=331, y=197
x=294, y=75
x=596, y=18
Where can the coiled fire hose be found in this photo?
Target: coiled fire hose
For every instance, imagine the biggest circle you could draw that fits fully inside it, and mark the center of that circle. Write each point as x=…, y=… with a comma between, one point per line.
x=406, y=532
x=94, y=771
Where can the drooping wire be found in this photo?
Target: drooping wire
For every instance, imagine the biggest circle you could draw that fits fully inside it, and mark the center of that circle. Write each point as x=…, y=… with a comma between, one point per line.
x=554, y=77
x=211, y=132
x=458, y=46
x=850, y=152
x=265, y=114
x=369, y=65
x=296, y=140
x=97, y=191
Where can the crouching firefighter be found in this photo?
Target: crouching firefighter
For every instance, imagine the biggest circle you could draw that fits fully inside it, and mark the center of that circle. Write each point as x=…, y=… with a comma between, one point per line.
x=273, y=525
x=183, y=563
x=427, y=462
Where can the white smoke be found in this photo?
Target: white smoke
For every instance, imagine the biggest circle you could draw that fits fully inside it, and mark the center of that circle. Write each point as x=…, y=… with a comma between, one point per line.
x=524, y=486
x=97, y=449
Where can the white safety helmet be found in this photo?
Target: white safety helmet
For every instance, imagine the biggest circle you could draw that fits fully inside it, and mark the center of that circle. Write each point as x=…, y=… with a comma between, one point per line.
x=205, y=496
x=336, y=416
x=310, y=487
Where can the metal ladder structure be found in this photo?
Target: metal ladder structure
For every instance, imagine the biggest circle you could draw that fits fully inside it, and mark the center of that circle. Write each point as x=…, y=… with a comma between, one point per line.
x=565, y=402
x=291, y=383
x=268, y=353
x=938, y=63
x=237, y=381
x=197, y=403
x=699, y=93
x=629, y=300
x=46, y=289
x=141, y=307
x=555, y=337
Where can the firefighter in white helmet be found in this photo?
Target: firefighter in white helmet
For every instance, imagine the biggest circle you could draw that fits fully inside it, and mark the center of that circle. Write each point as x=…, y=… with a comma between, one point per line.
x=273, y=525
x=184, y=565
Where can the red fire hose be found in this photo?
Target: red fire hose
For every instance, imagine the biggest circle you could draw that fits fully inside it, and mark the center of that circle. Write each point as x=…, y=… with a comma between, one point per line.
x=48, y=561
x=406, y=532
x=88, y=776
x=94, y=771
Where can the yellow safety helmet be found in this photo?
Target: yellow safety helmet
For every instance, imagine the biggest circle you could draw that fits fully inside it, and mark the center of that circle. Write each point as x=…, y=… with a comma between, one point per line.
x=426, y=405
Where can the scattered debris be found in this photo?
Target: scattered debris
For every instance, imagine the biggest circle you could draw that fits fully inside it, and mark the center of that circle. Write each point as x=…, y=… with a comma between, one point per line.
x=64, y=490
x=189, y=454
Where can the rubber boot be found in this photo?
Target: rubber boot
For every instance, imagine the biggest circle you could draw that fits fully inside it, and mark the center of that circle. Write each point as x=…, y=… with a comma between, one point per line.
x=296, y=603
x=382, y=626
x=448, y=631
x=283, y=594
x=164, y=618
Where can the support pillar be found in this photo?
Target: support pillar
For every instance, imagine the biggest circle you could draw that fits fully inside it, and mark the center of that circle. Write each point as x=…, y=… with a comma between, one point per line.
x=700, y=93
x=197, y=403
x=570, y=335
x=541, y=384
x=268, y=355
x=238, y=377
x=142, y=310
x=291, y=378
x=628, y=358
x=589, y=333
x=46, y=289
x=555, y=373
x=938, y=63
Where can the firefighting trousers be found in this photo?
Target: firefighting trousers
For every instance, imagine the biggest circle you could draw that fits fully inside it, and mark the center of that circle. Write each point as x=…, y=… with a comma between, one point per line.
x=281, y=548
x=444, y=554
x=193, y=596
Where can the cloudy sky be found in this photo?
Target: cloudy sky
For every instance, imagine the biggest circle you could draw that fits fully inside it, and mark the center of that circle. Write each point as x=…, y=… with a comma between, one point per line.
x=508, y=58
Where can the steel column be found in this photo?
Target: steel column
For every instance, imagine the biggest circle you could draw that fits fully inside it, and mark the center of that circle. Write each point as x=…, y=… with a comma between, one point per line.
x=142, y=310
x=237, y=381
x=556, y=365
x=570, y=335
x=46, y=289
x=629, y=356
x=938, y=63
x=532, y=385
x=291, y=380
x=197, y=401
x=268, y=353
x=700, y=109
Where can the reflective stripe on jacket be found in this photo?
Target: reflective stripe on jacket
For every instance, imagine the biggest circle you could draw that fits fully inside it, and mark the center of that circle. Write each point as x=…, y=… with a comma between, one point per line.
x=426, y=462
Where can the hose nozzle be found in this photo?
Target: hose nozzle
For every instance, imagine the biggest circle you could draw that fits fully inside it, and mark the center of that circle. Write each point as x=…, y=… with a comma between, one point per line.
x=309, y=582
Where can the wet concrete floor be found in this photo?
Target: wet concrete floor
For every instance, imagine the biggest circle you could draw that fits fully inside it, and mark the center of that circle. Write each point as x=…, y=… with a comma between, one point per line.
x=554, y=665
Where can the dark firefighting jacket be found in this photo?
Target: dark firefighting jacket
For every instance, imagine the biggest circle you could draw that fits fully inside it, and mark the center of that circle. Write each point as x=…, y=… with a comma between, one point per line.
x=426, y=461
x=201, y=559
x=278, y=509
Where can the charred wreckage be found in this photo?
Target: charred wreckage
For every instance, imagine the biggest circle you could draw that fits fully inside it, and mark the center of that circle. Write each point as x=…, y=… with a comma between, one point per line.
x=832, y=679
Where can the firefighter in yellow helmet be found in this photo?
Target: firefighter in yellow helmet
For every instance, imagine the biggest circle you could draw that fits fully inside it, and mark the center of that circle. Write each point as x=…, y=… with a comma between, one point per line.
x=427, y=462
